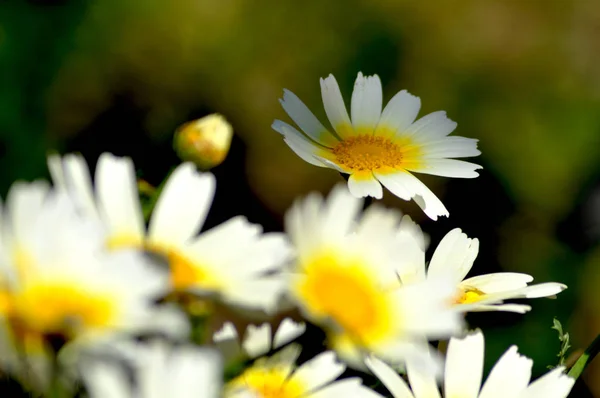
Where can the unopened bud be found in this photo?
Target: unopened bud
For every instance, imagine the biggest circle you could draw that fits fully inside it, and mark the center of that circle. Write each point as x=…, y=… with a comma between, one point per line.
x=204, y=141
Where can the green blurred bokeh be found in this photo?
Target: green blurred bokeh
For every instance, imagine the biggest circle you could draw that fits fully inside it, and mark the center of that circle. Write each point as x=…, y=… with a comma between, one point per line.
x=521, y=76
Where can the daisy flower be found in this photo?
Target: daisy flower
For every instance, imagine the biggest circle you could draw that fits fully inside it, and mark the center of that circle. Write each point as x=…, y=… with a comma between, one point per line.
x=454, y=257
x=159, y=371
x=345, y=280
x=379, y=147
x=233, y=262
x=59, y=285
x=509, y=378
x=279, y=377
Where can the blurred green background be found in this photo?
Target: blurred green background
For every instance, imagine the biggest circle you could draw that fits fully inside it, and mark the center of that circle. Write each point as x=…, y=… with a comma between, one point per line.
x=521, y=76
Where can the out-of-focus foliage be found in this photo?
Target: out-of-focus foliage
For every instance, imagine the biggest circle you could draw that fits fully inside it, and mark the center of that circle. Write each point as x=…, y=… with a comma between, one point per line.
x=522, y=77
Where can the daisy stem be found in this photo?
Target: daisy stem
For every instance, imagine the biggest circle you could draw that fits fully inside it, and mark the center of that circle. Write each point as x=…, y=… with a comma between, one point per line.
x=154, y=194
x=585, y=358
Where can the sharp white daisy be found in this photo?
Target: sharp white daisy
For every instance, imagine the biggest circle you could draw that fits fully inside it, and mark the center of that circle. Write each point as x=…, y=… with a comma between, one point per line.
x=233, y=262
x=379, y=146
x=345, y=280
x=279, y=377
x=509, y=378
x=58, y=283
x=453, y=258
x=257, y=340
x=158, y=370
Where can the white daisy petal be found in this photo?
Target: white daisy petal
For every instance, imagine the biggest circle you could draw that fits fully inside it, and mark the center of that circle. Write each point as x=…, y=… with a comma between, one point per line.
x=431, y=127
x=498, y=282
x=363, y=186
x=509, y=376
x=257, y=340
x=409, y=228
x=305, y=119
x=406, y=186
x=422, y=383
x=340, y=212
x=350, y=388
x=334, y=106
x=182, y=206
x=431, y=317
x=390, y=379
x=287, y=331
x=367, y=98
x=55, y=167
x=534, y=291
x=262, y=293
x=411, y=245
x=542, y=290
x=227, y=341
x=77, y=177
x=302, y=222
x=105, y=380
x=305, y=149
x=464, y=366
x=451, y=147
x=193, y=372
x=118, y=197
x=318, y=371
x=554, y=384
x=399, y=113
x=517, y=308
x=24, y=205
x=454, y=256
x=447, y=168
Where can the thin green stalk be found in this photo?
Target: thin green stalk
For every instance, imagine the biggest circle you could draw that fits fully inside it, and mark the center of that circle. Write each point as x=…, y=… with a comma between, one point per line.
x=143, y=188
x=585, y=358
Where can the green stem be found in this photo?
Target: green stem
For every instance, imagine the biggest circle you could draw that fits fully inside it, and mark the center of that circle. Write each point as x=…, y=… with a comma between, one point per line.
x=149, y=206
x=585, y=358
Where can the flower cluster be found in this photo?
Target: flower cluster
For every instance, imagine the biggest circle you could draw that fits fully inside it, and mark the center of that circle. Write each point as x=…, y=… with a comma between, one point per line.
x=136, y=299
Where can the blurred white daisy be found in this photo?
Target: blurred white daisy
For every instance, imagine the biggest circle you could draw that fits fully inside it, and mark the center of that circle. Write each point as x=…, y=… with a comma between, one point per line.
x=379, y=146
x=278, y=376
x=509, y=378
x=59, y=285
x=345, y=280
x=233, y=262
x=257, y=340
x=158, y=371
x=453, y=258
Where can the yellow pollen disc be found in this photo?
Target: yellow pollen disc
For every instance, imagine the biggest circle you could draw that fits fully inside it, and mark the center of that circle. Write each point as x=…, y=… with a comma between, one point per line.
x=368, y=152
x=468, y=295
x=185, y=273
x=268, y=383
x=61, y=308
x=348, y=294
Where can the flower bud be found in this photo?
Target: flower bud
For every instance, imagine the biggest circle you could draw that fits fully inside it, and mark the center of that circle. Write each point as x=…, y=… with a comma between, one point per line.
x=204, y=141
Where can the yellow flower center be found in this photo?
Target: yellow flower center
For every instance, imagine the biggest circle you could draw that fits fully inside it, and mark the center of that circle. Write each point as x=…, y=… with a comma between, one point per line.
x=185, y=272
x=468, y=295
x=373, y=152
x=59, y=308
x=268, y=383
x=345, y=291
